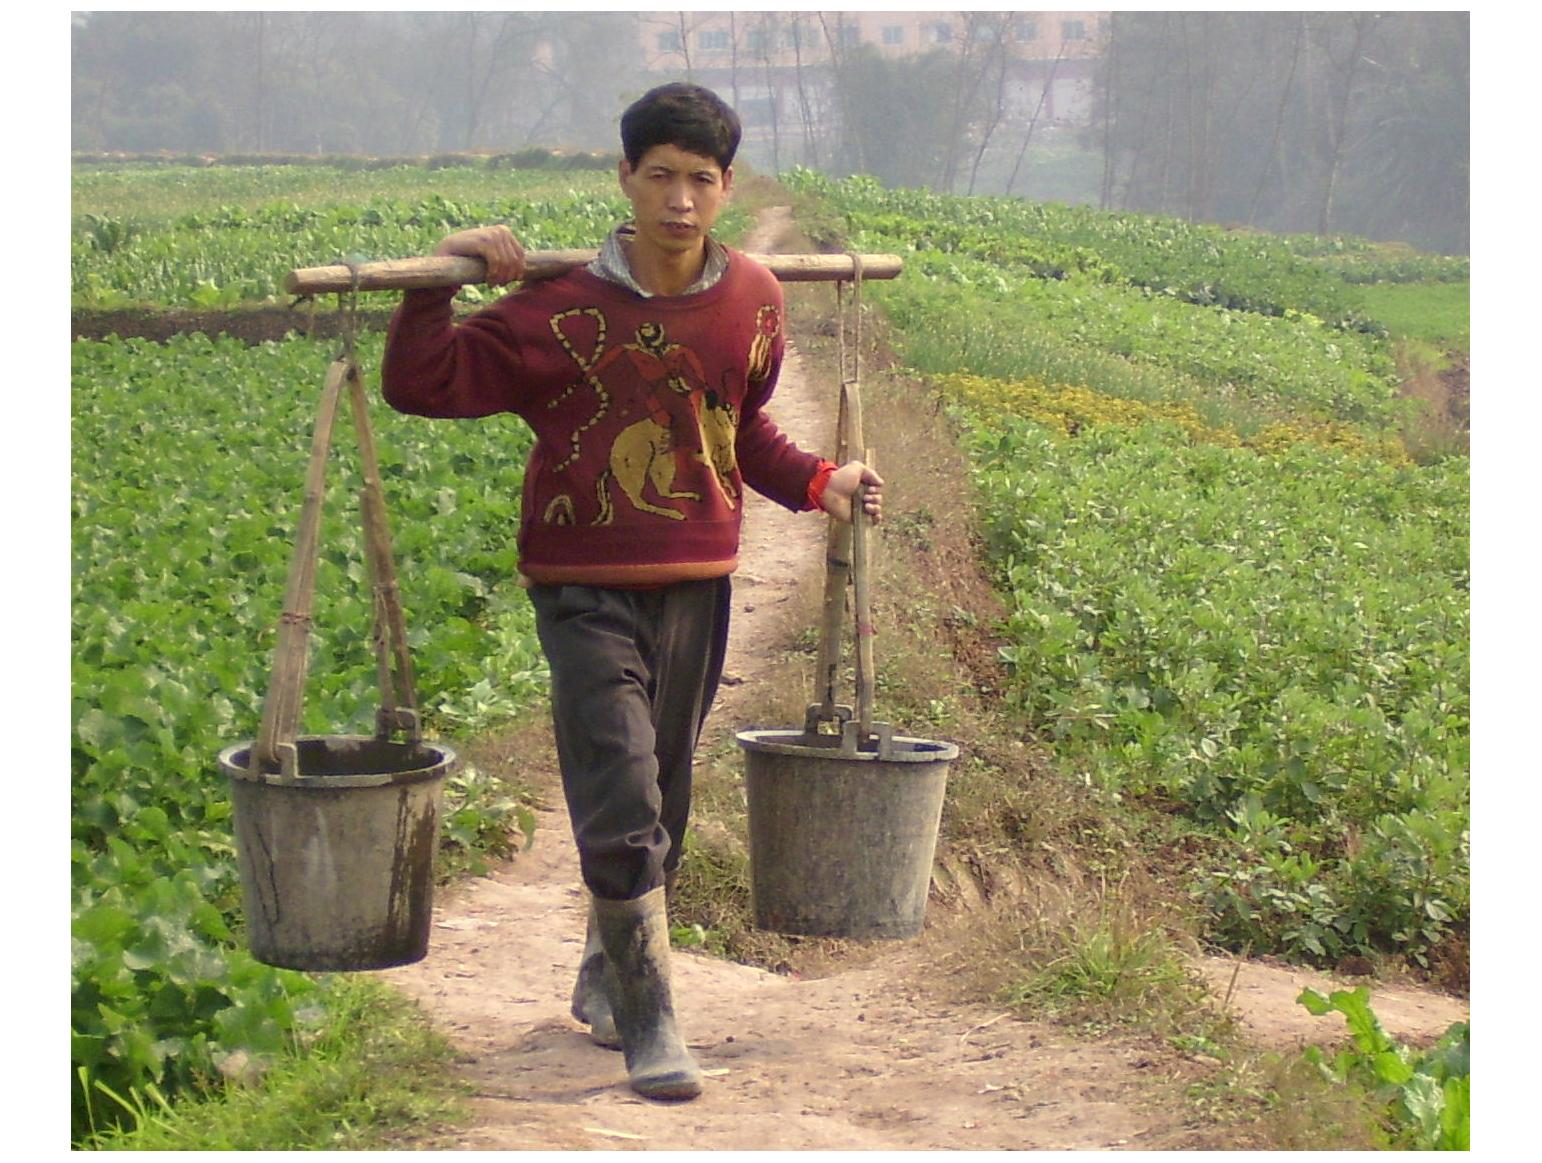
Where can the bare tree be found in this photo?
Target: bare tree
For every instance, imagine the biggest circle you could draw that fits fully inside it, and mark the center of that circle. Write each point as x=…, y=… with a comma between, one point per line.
x=997, y=114
x=1344, y=71
x=810, y=139
x=1109, y=113
x=966, y=83
x=260, y=117
x=835, y=42
x=1272, y=157
x=1038, y=109
x=1199, y=108
x=733, y=56
x=685, y=41
x=1169, y=125
x=497, y=59
x=770, y=28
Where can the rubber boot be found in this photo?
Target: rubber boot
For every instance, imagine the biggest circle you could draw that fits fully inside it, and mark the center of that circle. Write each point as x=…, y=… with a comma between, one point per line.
x=636, y=938
x=591, y=992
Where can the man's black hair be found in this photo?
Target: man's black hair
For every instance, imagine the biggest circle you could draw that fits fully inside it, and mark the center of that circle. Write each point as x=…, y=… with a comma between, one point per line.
x=686, y=116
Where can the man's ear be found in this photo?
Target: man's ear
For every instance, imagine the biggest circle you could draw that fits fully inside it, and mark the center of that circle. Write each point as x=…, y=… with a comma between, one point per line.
x=728, y=181
x=623, y=171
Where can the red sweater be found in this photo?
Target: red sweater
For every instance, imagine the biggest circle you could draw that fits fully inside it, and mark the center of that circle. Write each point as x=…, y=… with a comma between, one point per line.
x=647, y=414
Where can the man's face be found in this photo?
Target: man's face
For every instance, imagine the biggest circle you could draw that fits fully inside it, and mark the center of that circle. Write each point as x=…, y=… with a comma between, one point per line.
x=676, y=197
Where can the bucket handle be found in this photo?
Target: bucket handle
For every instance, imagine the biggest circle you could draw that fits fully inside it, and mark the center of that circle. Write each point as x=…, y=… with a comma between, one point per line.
x=276, y=740
x=853, y=735
x=853, y=732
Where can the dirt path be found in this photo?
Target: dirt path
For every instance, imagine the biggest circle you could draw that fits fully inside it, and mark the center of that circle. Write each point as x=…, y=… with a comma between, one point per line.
x=866, y=1058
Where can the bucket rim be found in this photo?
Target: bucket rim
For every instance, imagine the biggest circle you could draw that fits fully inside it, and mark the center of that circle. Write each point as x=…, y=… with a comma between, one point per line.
x=785, y=741
x=445, y=759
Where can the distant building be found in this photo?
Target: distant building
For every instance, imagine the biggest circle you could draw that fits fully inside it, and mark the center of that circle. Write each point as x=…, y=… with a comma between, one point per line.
x=775, y=66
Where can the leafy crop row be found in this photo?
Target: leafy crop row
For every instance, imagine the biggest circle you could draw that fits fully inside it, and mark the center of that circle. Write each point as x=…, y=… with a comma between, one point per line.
x=1204, y=265
x=1277, y=643
x=1361, y=261
x=234, y=233
x=1148, y=308
x=956, y=311
x=233, y=254
x=1067, y=409
x=187, y=463
x=158, y=194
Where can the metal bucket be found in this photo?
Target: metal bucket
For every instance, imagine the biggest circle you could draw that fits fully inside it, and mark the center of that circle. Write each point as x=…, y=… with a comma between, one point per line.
x=337, y=863
x=842, y=836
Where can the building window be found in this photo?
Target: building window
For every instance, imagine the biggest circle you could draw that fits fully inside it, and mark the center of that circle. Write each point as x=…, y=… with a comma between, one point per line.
x=757, y=42
x=1073, y=30
x=669, y=41
x=713, y=40
x=941, y=34
x=894, y=34
x=1027, y=30
x=756, y=110
x=850, y=35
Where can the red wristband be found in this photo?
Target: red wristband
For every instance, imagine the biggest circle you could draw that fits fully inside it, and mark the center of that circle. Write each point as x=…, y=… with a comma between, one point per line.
x=816, y=486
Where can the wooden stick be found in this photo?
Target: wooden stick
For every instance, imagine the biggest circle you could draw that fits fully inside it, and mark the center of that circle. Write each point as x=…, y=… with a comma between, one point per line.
x=837, y=574
x=862, y=617
x=281, y=710
x=396, y=687
x=400, y=274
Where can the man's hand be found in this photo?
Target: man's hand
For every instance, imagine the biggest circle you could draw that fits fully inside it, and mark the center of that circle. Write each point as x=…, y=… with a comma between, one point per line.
x=494, y=245
x=843, y=485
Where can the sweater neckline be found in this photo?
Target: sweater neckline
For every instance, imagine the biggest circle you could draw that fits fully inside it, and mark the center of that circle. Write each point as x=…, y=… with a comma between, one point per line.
x=667, y=302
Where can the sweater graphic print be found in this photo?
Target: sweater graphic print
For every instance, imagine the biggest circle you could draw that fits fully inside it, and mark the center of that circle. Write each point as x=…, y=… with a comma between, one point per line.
x=681, y=421
x=647, y=412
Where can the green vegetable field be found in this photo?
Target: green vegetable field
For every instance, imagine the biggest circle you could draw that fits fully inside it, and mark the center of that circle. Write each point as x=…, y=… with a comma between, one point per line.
x=1236, y=593
x=1232, y=590
x=187, y=461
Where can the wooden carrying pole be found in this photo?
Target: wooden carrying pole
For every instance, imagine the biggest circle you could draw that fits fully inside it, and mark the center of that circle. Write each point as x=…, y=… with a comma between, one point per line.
x=399, y=274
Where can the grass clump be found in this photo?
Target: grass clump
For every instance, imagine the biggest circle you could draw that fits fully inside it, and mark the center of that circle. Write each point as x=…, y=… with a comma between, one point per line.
x=1098, y=964
x=372, y=1075
x=1100, y=954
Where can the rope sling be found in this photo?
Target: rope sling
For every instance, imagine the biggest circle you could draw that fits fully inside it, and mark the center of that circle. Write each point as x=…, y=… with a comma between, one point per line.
x=276, y=747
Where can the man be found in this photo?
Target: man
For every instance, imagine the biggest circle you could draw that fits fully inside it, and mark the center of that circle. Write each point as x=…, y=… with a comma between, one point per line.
x=644, y=377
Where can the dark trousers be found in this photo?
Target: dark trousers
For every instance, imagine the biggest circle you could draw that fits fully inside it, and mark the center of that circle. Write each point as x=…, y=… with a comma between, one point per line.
x=634, y=673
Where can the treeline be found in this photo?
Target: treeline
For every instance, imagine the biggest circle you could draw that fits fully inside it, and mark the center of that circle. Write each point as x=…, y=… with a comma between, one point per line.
x=1299, y=122
x=1293, y=122
x=1309, y=122
x=389, y=83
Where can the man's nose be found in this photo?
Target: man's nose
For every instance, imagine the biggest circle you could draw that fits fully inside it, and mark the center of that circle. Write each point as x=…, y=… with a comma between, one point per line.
x=680, y=197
